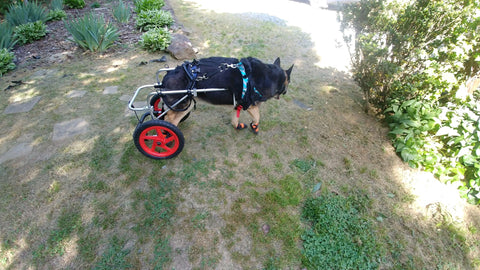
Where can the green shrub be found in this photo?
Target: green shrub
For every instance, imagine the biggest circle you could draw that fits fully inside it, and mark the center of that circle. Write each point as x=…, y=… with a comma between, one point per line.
x=6, y=61
x=92, y=32
x=121, y=12
x=443, y=140
x=411, y=48
x=26, y=12
x=141, y=5
x=410, y=57
x=30, y=32
x=156, y=39
x=149, y=19
x=75, y=3
x=7, y=39
x=56, y=15
x=339, y=238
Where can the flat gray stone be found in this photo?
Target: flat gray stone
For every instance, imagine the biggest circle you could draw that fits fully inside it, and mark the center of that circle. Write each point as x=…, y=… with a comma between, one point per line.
x=125, y=98
x=19, y=150
x=110, y=90
x=75, y=94
x=22, y=106
x=69, y=129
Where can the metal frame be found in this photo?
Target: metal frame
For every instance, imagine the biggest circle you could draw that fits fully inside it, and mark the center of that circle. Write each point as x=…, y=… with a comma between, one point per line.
x=158, y=85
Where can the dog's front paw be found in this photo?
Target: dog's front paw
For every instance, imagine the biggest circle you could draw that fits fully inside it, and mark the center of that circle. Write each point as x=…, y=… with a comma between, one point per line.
x=254, y=127
x=241, y=126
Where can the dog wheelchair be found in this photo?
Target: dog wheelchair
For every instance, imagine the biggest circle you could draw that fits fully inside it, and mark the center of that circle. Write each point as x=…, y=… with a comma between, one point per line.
x=153, y=136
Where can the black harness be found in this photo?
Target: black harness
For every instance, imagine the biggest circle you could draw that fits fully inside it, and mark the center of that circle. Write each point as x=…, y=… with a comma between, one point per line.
x=249, y=95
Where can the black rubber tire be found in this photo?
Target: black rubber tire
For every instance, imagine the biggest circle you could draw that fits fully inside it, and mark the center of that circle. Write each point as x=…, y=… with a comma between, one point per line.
x=148, y=142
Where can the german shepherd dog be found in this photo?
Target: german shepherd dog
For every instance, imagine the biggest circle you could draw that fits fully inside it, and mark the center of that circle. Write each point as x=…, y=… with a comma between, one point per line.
x=248, y=83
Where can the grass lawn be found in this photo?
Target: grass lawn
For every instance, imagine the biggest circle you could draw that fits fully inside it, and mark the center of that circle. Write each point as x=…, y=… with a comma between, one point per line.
x=232, y=199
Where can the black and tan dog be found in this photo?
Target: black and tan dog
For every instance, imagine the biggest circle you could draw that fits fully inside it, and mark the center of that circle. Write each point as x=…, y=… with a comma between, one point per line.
x=248, y=83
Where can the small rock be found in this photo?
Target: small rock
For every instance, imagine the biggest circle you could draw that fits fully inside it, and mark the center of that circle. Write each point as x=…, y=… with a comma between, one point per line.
x=266, y=228
x=181, y=47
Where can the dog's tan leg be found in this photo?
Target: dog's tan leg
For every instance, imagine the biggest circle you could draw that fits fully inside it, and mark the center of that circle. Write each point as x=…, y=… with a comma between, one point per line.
x=254, y=112
x=235, y=118
x=175, y=117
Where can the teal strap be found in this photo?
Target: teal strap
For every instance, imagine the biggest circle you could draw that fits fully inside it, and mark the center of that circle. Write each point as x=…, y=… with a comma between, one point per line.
x=245, y=80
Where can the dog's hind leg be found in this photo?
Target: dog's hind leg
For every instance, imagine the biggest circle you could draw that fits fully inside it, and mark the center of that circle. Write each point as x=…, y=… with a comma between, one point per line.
x=175, y=117
x=254, y=112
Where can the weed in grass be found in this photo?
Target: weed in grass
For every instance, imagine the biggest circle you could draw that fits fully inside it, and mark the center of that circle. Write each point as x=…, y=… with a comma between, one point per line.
x=114, y=257
x=304, y=165
x=340, y=237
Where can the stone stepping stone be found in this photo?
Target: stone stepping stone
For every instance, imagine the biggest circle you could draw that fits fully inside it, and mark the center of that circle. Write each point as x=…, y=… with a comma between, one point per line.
x=75, y=94
x=109, y=90
x=19, y=150
x=22, y=106
x=125, y=98
x=69, y=129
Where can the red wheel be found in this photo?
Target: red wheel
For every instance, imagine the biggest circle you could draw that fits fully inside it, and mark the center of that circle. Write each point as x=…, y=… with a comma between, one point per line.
x=156, y=102
x=158, y=139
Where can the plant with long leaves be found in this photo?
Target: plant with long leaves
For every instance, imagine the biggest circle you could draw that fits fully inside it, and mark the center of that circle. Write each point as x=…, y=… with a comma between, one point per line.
x=7, y=39
x=92, y=32
x=26, y=12
x=121, y=12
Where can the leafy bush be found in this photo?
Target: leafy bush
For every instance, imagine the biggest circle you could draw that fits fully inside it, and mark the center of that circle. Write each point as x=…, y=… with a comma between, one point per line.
x=141, y=5
x=121, y=12
x=444, y=141
x=339, y=238
x=6, y=61
x=75, y=3
x=26, y=12
x=30, y=32
x=410, y=57
x=149, y=19
x=7, y=39
x=156, y=39
x=411, y=48
x=56, y=14
x=92, y=32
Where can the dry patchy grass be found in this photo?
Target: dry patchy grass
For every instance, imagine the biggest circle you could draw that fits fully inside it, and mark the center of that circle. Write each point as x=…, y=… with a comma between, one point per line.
x=230, y=199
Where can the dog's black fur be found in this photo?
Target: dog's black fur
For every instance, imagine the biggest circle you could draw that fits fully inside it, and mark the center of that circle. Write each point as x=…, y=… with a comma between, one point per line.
x=270, y=80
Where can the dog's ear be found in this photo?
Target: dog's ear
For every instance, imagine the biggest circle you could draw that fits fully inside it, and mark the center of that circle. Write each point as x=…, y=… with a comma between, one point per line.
x=289, y=71
x=277, y=61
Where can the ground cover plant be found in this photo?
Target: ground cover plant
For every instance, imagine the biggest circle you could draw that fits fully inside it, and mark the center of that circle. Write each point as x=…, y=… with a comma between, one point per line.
x=231, y=198
x=6, y=61
x=413, y=60
x=148, y=19
x=29, y=32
